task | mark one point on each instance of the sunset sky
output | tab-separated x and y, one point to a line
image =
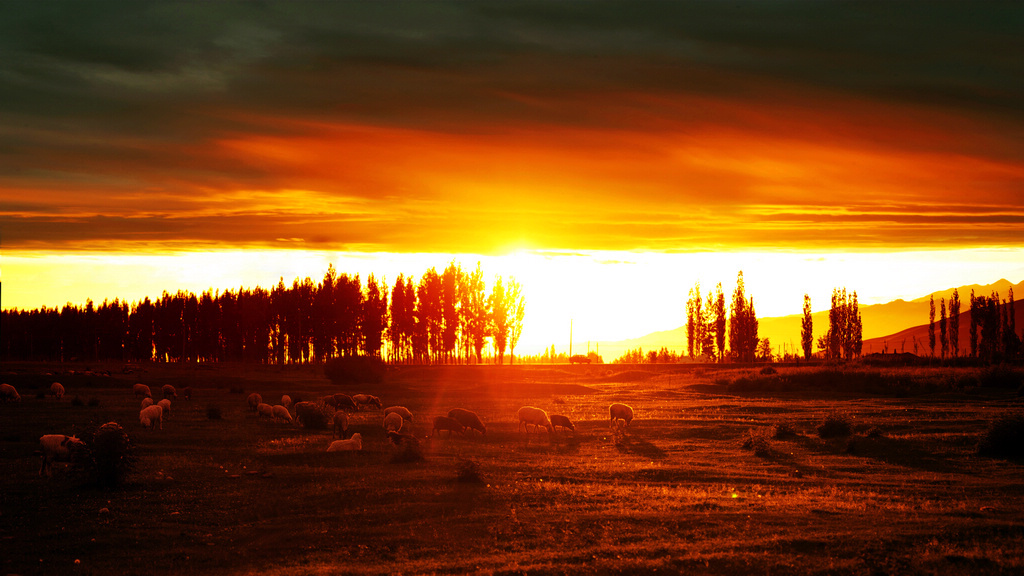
607	154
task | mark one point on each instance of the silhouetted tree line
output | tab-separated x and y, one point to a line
993	329
844	339
444	318
706	323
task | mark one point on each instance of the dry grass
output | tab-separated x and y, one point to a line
676	491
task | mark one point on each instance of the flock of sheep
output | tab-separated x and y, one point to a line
458	420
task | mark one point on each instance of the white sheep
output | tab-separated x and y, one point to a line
286	401
532	415
620	412
563	421
468	418
152	416
254	400
340	422
146	402
265	410
56	447
141	391
166	405
8	393
400	410
393	422
57	389
366	400
169	391
281	412
352	444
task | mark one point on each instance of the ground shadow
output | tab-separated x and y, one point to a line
627	444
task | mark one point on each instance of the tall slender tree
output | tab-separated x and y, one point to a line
954	324
943	338
517	311
720	322
807	329
498	305
975	316
931	324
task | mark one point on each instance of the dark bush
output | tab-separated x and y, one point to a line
874	432
784	430
768	370
1004	438
467	470
408	450
1001	376
757	440
107	457
835	425
94	402
355	370
213	412
320	417
76	401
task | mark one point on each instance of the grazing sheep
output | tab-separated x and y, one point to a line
281	412
563	421
305	411
531	415
620	412
366	400
56	447
400	410
330	401
286	401
152	416
344	402
146	402
141	391
166	405
9	394
469	419
340	422
186	392
393	422
57	389
254	400
265	410
352	444
449	424
169	391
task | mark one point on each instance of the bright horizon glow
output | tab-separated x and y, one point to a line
608	295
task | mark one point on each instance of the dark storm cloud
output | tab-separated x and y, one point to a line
135	97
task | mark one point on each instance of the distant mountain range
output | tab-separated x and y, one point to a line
892	326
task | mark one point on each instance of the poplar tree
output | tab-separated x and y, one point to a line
517	310
943	340
720	322
807	329
954	324
931	325
975	315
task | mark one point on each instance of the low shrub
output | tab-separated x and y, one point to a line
874	432
783	430
1001	376
467	470
409	451
213	412
759	441
76	401
835	425
768	370
355	370
1004	438
319	419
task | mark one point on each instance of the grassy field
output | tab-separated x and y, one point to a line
700	483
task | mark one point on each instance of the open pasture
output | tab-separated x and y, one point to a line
681	490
